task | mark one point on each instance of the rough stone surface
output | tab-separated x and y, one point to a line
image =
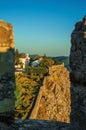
78	105
53	101
7	79
78	74
37	125
78	53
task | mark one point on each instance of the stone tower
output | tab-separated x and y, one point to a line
78	74
7	78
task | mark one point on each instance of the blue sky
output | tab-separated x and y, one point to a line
43	26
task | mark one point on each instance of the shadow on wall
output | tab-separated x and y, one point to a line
7	86
7	78
78	74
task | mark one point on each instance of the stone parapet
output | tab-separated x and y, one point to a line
53	101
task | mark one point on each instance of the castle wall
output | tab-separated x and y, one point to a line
7	78
78	74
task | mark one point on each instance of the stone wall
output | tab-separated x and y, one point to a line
34	112
53	102
36	125
7	78
78	74
78	53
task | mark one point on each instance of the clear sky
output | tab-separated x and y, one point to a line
43	26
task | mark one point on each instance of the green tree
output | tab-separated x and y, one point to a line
47	61
16	56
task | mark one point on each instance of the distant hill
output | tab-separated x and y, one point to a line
63	59
33	55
